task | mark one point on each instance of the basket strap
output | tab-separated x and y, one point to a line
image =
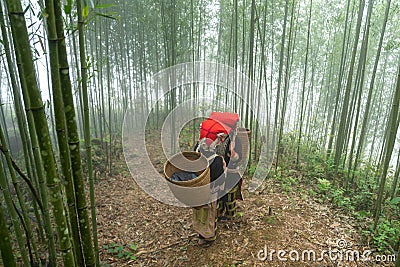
233	170
213	156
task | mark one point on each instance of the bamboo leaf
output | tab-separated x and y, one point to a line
106	16
104	6
68	7
85	11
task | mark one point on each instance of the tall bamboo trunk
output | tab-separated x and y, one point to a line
6	249
360	85
391	131
74	147
304	86
13	215
33	102
339	84
86	127
55	19
20	197
340	140
281	61
369	97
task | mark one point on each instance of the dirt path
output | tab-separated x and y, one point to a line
272	220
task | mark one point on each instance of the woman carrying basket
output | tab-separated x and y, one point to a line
204	217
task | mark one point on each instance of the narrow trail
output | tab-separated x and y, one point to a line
273	220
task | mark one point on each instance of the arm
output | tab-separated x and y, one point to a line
236	150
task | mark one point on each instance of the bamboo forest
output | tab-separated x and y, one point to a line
200	133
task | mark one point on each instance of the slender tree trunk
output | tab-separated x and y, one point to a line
13	215
7	254
55	47
33	102
74	148
340	140
109	94
20	197
26	145
235	52
304	85
77	73
371	87
395	177
339	85
33	148
391	131
250	104
281	61
286	84
86	122
360	85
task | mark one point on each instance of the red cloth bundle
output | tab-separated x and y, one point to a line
217	123
226	118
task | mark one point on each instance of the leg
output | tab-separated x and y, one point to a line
204	223
231	203
221	206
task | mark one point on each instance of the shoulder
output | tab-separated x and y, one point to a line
218	160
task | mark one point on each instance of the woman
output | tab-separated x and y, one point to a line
204	217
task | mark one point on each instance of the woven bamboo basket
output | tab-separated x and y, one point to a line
244	134
188	161
194	192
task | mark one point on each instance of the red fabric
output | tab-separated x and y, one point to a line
226	118
211	128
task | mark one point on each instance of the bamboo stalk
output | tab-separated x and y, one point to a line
13	215
19	194
6	249
74	145
61	128
86	127
33	102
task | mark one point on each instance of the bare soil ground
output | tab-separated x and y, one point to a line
271	220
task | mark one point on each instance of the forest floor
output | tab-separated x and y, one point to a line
136	230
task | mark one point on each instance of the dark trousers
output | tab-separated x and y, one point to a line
227	203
